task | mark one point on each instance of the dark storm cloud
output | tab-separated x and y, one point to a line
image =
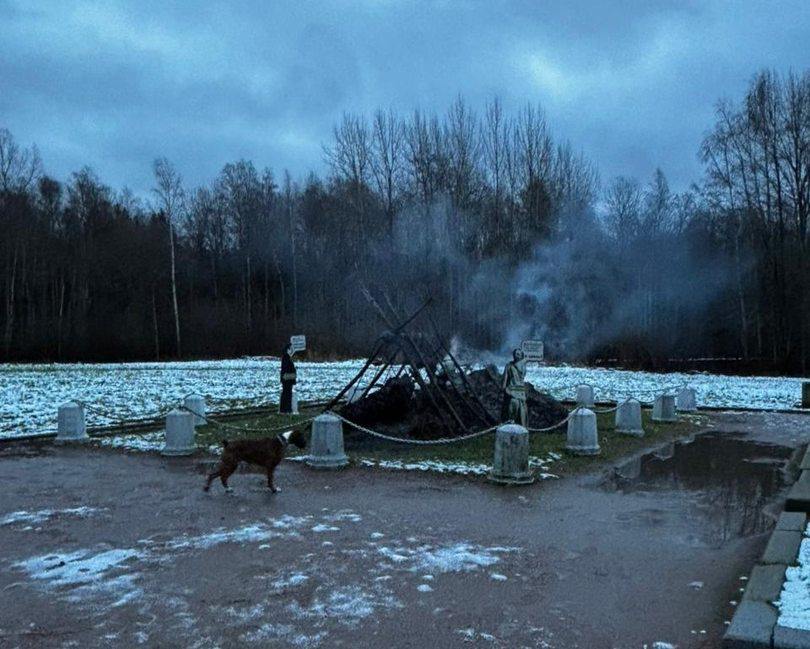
116	84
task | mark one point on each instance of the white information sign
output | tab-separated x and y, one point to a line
533	350
299	343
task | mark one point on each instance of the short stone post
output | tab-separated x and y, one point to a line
583	438
195	405
294	403
70	425
806	394
687	400
326	443
179	433
664	408
585	396
510	466
628	418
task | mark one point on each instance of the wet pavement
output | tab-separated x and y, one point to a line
102	548
732	482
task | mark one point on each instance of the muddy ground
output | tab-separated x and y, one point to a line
101	548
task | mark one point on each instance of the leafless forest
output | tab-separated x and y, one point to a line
489	212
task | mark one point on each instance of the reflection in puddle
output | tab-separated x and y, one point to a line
727	480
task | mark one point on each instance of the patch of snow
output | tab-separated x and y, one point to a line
453	468
320	528
794	601
46	514
246	534
496	576
424	588
345	604
344	515
144	443
85	572
296	579
377	535
458	557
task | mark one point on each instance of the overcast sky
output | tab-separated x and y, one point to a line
631	84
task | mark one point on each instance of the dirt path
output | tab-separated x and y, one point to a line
101	548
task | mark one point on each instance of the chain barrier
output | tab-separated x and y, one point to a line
124	423
418	442
247	429
550	428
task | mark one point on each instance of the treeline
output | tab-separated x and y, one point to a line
508	230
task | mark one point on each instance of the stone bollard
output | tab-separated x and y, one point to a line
326	443
806	394
583	439
585	396
687	400
510	466
70	423
664	408
628	418
195	404
179	433
294	403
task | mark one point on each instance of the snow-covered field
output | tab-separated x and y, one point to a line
30	394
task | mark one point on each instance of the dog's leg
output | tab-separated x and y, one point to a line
225	473
211	477
271	467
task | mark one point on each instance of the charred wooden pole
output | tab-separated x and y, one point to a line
435	382
488	416
377	376
357	377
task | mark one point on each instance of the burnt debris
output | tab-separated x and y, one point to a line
414	386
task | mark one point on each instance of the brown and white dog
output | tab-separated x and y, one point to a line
266	452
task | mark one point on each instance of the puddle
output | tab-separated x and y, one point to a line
728	482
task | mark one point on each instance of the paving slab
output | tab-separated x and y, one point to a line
783	547
765	583
787	638
798	499
795	521
751	627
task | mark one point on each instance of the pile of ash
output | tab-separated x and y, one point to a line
400	408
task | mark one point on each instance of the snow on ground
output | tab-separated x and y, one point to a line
30	394
43	515
316	590
458	468
794	602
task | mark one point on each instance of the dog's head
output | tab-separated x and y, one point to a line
298	438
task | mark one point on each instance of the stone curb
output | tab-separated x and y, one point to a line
798	499
805	463
754	625
751	627
783	547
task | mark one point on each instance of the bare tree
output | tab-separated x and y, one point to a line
19	168
171	199
387	141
